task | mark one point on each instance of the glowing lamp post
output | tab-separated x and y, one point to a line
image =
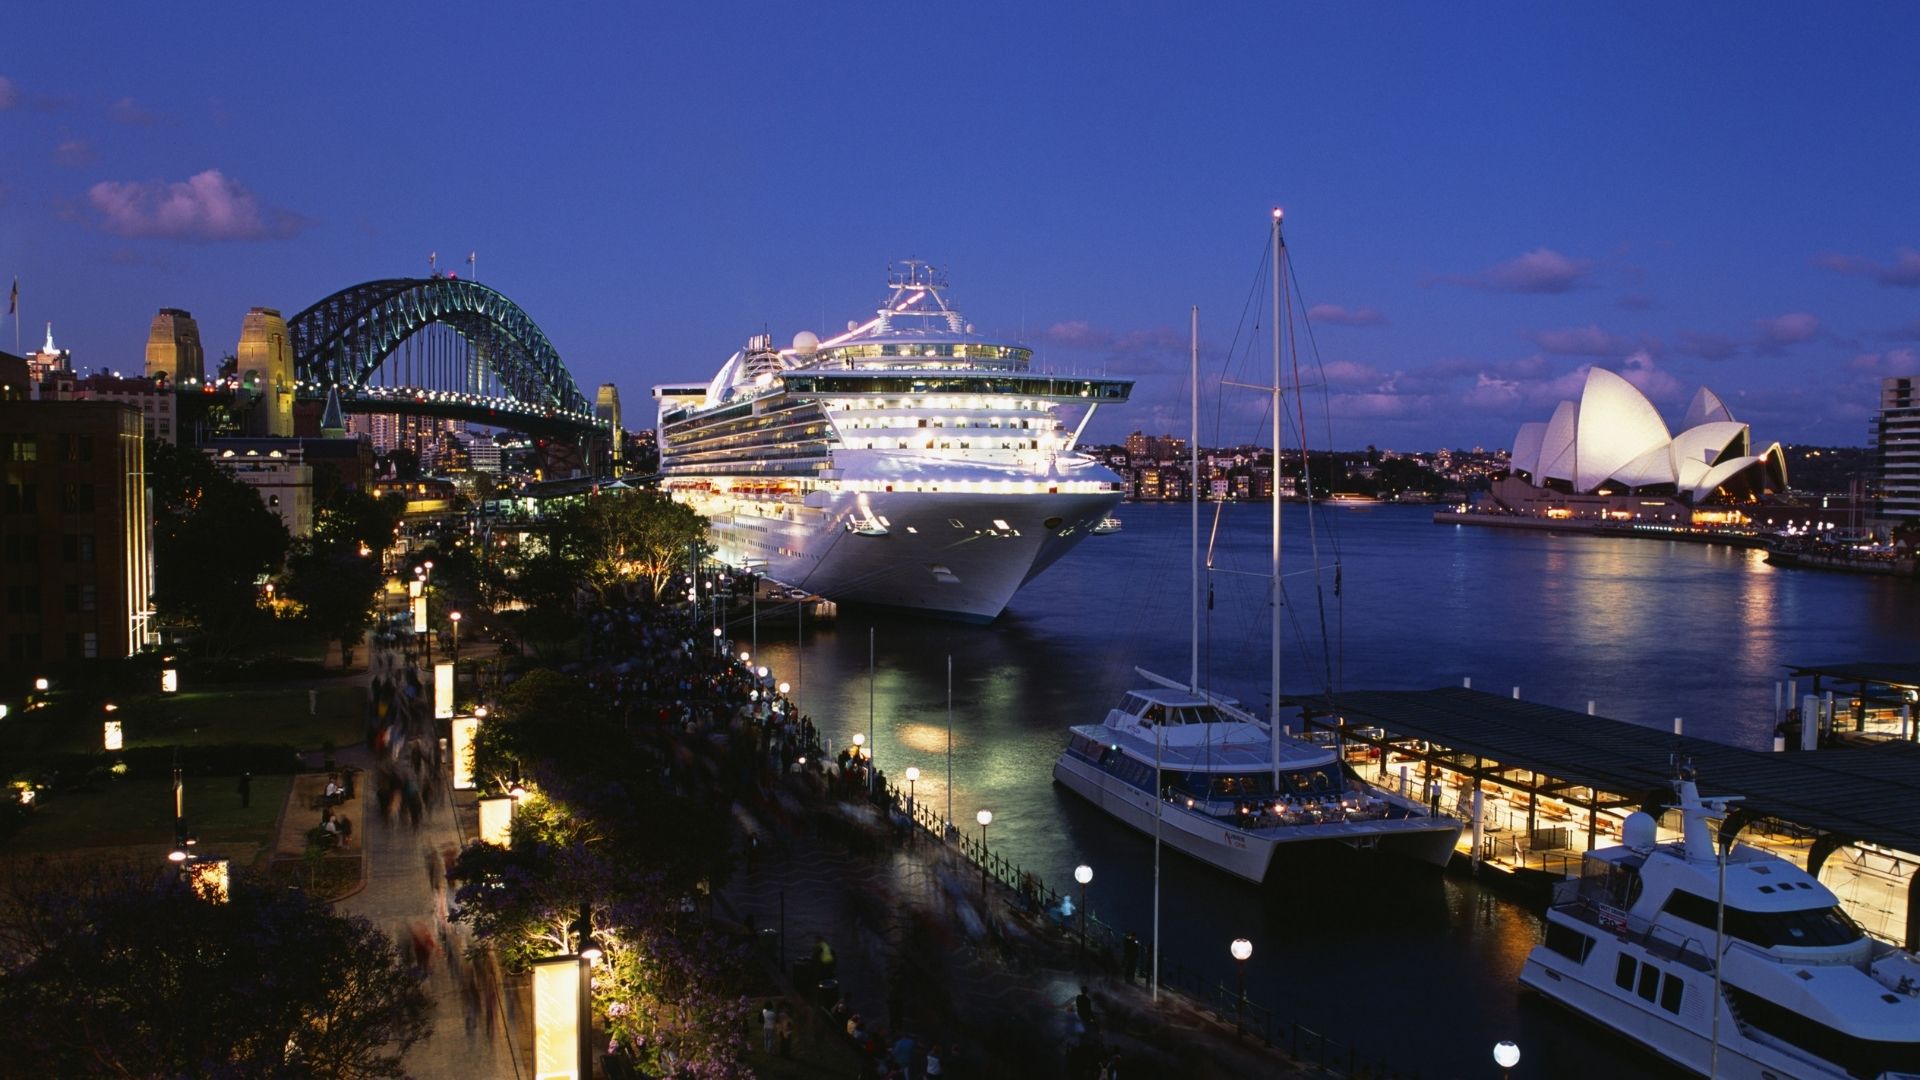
1084	875
454	617
1241	950
985	818
1506	1054
716	641
913	777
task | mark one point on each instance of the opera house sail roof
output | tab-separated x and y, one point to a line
1613	442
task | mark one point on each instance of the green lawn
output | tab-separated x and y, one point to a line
202	718
194	718
137	812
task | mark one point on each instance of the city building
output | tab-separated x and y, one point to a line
1896	441
265	367
606	409
173	349
483	455
50	360
277	471
159	405
76	562
1611	455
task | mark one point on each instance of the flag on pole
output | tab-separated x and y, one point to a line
13	300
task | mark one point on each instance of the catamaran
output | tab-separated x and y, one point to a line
1216	782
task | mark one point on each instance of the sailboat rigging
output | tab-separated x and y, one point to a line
1214	780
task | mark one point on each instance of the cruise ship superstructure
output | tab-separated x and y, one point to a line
908	462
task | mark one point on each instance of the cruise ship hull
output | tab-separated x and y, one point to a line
956	555
1249	853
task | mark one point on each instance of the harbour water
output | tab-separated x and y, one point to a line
1417	969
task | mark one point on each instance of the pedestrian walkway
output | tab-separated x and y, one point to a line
918	951
404	897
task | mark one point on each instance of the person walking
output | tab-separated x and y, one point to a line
246	790
767	1020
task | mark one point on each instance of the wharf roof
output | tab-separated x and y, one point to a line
1904	676
1867	793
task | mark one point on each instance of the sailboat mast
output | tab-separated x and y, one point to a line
1279	284
1193	498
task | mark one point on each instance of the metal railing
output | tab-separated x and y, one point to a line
1304	1043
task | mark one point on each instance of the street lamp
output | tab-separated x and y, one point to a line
1506	1054
985	818
1241	950
716	641
583	926
1084	875
913	775
454	617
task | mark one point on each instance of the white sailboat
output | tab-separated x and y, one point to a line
1216	782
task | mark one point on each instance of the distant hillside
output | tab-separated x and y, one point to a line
1828	470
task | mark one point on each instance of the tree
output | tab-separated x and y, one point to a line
336	574
620	536
124	971
213	541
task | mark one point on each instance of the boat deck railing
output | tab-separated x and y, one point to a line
1305	1043
1666	943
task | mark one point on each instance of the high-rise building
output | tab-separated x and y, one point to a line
266	367
1896	436
76	566
173	348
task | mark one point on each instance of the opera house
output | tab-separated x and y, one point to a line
1610	455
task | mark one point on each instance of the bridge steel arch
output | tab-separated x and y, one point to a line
342	340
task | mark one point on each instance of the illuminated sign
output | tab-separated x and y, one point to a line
559	1018
464	729
113	739
443	690
169	681
496	819
419	614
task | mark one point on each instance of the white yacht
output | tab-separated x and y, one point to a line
1789	988
908	462
1212	782
1215	782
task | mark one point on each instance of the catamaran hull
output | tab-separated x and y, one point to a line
1249	854
951	554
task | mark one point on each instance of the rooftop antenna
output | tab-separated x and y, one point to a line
433	264
471	257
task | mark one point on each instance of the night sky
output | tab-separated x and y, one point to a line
1482	200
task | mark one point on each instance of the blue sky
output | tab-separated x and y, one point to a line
1482	200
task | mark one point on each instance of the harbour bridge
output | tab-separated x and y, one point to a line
442	347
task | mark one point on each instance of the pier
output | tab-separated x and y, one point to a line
1539	785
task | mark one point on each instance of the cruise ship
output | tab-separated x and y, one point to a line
908	462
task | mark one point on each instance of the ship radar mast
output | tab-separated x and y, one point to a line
917	290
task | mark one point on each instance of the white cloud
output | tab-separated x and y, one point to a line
206	206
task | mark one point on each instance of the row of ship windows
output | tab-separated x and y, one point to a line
971	404
983	352
955	444
993	424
